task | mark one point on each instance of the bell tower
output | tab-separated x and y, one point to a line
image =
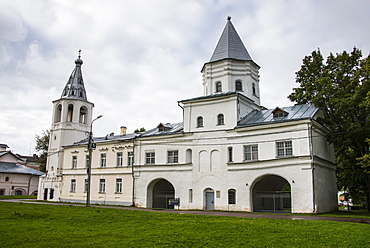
231	68
72	115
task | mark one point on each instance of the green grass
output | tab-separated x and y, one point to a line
17	197
38	225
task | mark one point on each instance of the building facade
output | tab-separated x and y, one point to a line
228	153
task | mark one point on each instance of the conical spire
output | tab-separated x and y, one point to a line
230	46
75	86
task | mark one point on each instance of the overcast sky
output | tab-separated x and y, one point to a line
141	57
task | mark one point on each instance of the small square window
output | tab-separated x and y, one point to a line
150	158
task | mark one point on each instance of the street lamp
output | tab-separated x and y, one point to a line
90	148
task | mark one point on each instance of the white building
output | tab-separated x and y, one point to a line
15	177
228	153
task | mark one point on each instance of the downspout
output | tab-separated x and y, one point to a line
312	167
29	185
133	172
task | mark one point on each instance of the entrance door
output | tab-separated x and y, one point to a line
45	194
210	200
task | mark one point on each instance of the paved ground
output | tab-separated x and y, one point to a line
215	213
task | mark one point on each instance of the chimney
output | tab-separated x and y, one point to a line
123	130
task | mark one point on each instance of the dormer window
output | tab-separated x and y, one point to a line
238	86
164	127
218	86
279	113
200	121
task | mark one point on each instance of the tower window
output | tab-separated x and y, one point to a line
254	88
70	113
200	121
218	86
83	114
238	86
220	119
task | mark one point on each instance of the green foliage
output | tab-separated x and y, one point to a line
137	130
42	146
35	225
340	88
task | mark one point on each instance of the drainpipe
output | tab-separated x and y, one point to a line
312	167
132	172
29	185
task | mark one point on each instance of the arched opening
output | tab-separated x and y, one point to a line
209	199
200	121
159	194
254	89
272	194
189	156
19	191
70	113
58	113
218	86
238	85
83	115
220	119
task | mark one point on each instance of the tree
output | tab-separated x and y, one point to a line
137	130
340	88
42	146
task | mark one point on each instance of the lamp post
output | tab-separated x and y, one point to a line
89	147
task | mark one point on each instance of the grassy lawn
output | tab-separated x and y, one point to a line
3	197
36	225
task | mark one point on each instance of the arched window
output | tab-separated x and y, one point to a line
220	119
70	113
230	154
190	195
6	179
200	121
189	156
83	115
238	85
58	113
232	196
254	88
218	86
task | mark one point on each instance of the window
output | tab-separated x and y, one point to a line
18	192
70	113
200	121
102	186
6	179
172	157
284	148
251	152
190	195
2	191
150	158
130	157
254	88
73	185
119	185
232	196
218	87
74	162
220	119
238	86
230	153
103	160
119	158
86	185
87	161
